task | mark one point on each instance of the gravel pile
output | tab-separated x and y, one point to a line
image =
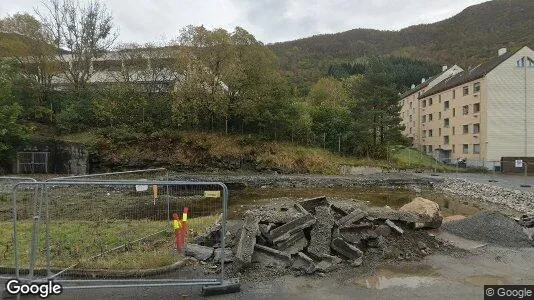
519	200
490	227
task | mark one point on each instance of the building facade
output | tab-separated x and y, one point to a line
481	114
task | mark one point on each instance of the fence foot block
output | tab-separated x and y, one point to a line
228	286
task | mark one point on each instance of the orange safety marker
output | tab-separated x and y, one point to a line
184	225
155	192
177	226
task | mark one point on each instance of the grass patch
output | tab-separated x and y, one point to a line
75	242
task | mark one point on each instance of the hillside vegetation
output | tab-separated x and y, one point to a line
467	39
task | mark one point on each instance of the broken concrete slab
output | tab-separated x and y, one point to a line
378	242
310	204
354	216
272	215
394	227
321	233
270	256
300	209
345	249
199	252
285	231
338	210
304	263
265	228
328	263
383	230
228	255
247	240
394	215
332	259
294	244
356	237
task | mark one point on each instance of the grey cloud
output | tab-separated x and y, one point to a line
269	20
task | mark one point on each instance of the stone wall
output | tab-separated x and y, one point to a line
64	157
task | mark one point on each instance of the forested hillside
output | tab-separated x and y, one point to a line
467	39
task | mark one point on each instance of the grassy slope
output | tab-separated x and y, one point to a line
210	150
76	241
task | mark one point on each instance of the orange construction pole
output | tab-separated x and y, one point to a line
177	226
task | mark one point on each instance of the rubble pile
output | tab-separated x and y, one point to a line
318	236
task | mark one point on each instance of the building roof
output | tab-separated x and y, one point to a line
419	87
467	76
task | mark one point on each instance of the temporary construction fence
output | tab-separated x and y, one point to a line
72	229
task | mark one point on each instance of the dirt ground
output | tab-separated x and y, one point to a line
457	274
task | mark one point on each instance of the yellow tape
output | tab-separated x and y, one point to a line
184	217
212	194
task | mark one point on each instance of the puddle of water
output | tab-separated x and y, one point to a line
400	276
242	200
481	280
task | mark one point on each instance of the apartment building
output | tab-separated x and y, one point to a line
410	104
481	114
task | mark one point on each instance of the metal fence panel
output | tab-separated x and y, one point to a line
81	228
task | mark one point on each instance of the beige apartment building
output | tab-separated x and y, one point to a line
481	114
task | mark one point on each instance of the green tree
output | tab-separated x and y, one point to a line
12	132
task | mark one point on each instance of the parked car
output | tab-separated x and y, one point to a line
462	162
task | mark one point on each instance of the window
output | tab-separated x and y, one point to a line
439	116
410	104
476	87
429	117
410	130
476	148
411	118
465	109
453	130
439	98
454	112
439	131
446	105
424	119
446	140
476	128
453	148
429	148
446	123
530	62
466	90
430	133
521	62
424	103
465	129
430	102
466	149
476	108
424	133
453	94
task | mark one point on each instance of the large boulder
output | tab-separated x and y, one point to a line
428	210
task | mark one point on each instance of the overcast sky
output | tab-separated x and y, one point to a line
269	20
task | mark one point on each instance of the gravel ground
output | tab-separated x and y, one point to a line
490	227
506	195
